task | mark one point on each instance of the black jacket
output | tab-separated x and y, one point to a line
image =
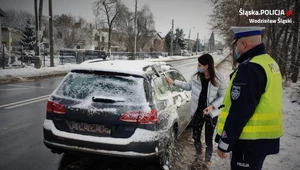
251	80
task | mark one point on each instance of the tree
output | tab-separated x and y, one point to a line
197	44
28	39
110	9
281	40
168	41
145	27
16	19
72	31
179	39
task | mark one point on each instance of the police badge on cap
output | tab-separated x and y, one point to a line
240	32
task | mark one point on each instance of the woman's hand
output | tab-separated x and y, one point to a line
169	80
208	110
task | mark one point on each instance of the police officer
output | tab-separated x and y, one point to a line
250	123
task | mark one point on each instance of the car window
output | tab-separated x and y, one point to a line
179	76
161	88
174	75
84	86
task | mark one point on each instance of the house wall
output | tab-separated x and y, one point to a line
0	32
6	39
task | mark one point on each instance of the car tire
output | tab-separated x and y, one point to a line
167	157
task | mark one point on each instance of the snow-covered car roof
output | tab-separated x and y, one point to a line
134	67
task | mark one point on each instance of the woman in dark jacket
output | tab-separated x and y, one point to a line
208	91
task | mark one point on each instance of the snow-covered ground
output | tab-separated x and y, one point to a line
289	156
31	72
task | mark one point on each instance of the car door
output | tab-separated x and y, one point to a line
164	102
181	99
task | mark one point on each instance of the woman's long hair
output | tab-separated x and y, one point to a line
204	60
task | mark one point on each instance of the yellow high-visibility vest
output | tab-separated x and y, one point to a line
266	122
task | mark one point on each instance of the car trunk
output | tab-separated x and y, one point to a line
97	119
93	104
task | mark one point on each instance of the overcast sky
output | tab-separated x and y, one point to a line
186	13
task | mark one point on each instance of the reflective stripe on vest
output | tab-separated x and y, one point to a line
266	122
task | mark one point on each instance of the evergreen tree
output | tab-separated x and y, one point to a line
168	41
28	39
179	39
195	46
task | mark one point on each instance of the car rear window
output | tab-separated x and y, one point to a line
85	86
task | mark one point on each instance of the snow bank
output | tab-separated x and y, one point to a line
28	71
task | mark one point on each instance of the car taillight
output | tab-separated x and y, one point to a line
56	108
140	117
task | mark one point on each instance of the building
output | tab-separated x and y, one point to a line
155	43
190	44
10	38
2	14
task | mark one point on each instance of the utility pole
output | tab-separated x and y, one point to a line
40	20
171	50
51	34
189	40
135	28
37	38
197	43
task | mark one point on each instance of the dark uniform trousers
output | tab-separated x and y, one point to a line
242	161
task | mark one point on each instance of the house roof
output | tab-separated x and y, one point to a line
2	13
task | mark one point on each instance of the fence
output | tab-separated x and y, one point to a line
79	56
4	57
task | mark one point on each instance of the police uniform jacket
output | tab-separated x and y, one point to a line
244	105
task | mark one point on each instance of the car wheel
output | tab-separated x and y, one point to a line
168	156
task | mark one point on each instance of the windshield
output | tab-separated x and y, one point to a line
86	86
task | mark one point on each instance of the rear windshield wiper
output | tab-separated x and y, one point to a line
105	100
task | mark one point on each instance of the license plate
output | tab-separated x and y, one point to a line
85	127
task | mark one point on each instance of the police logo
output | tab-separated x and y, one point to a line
235	92
91	113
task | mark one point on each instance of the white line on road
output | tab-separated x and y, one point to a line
23	101
22	104
19	85
15	89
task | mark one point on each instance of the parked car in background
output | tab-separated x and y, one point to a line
94	54
68	55
117	108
